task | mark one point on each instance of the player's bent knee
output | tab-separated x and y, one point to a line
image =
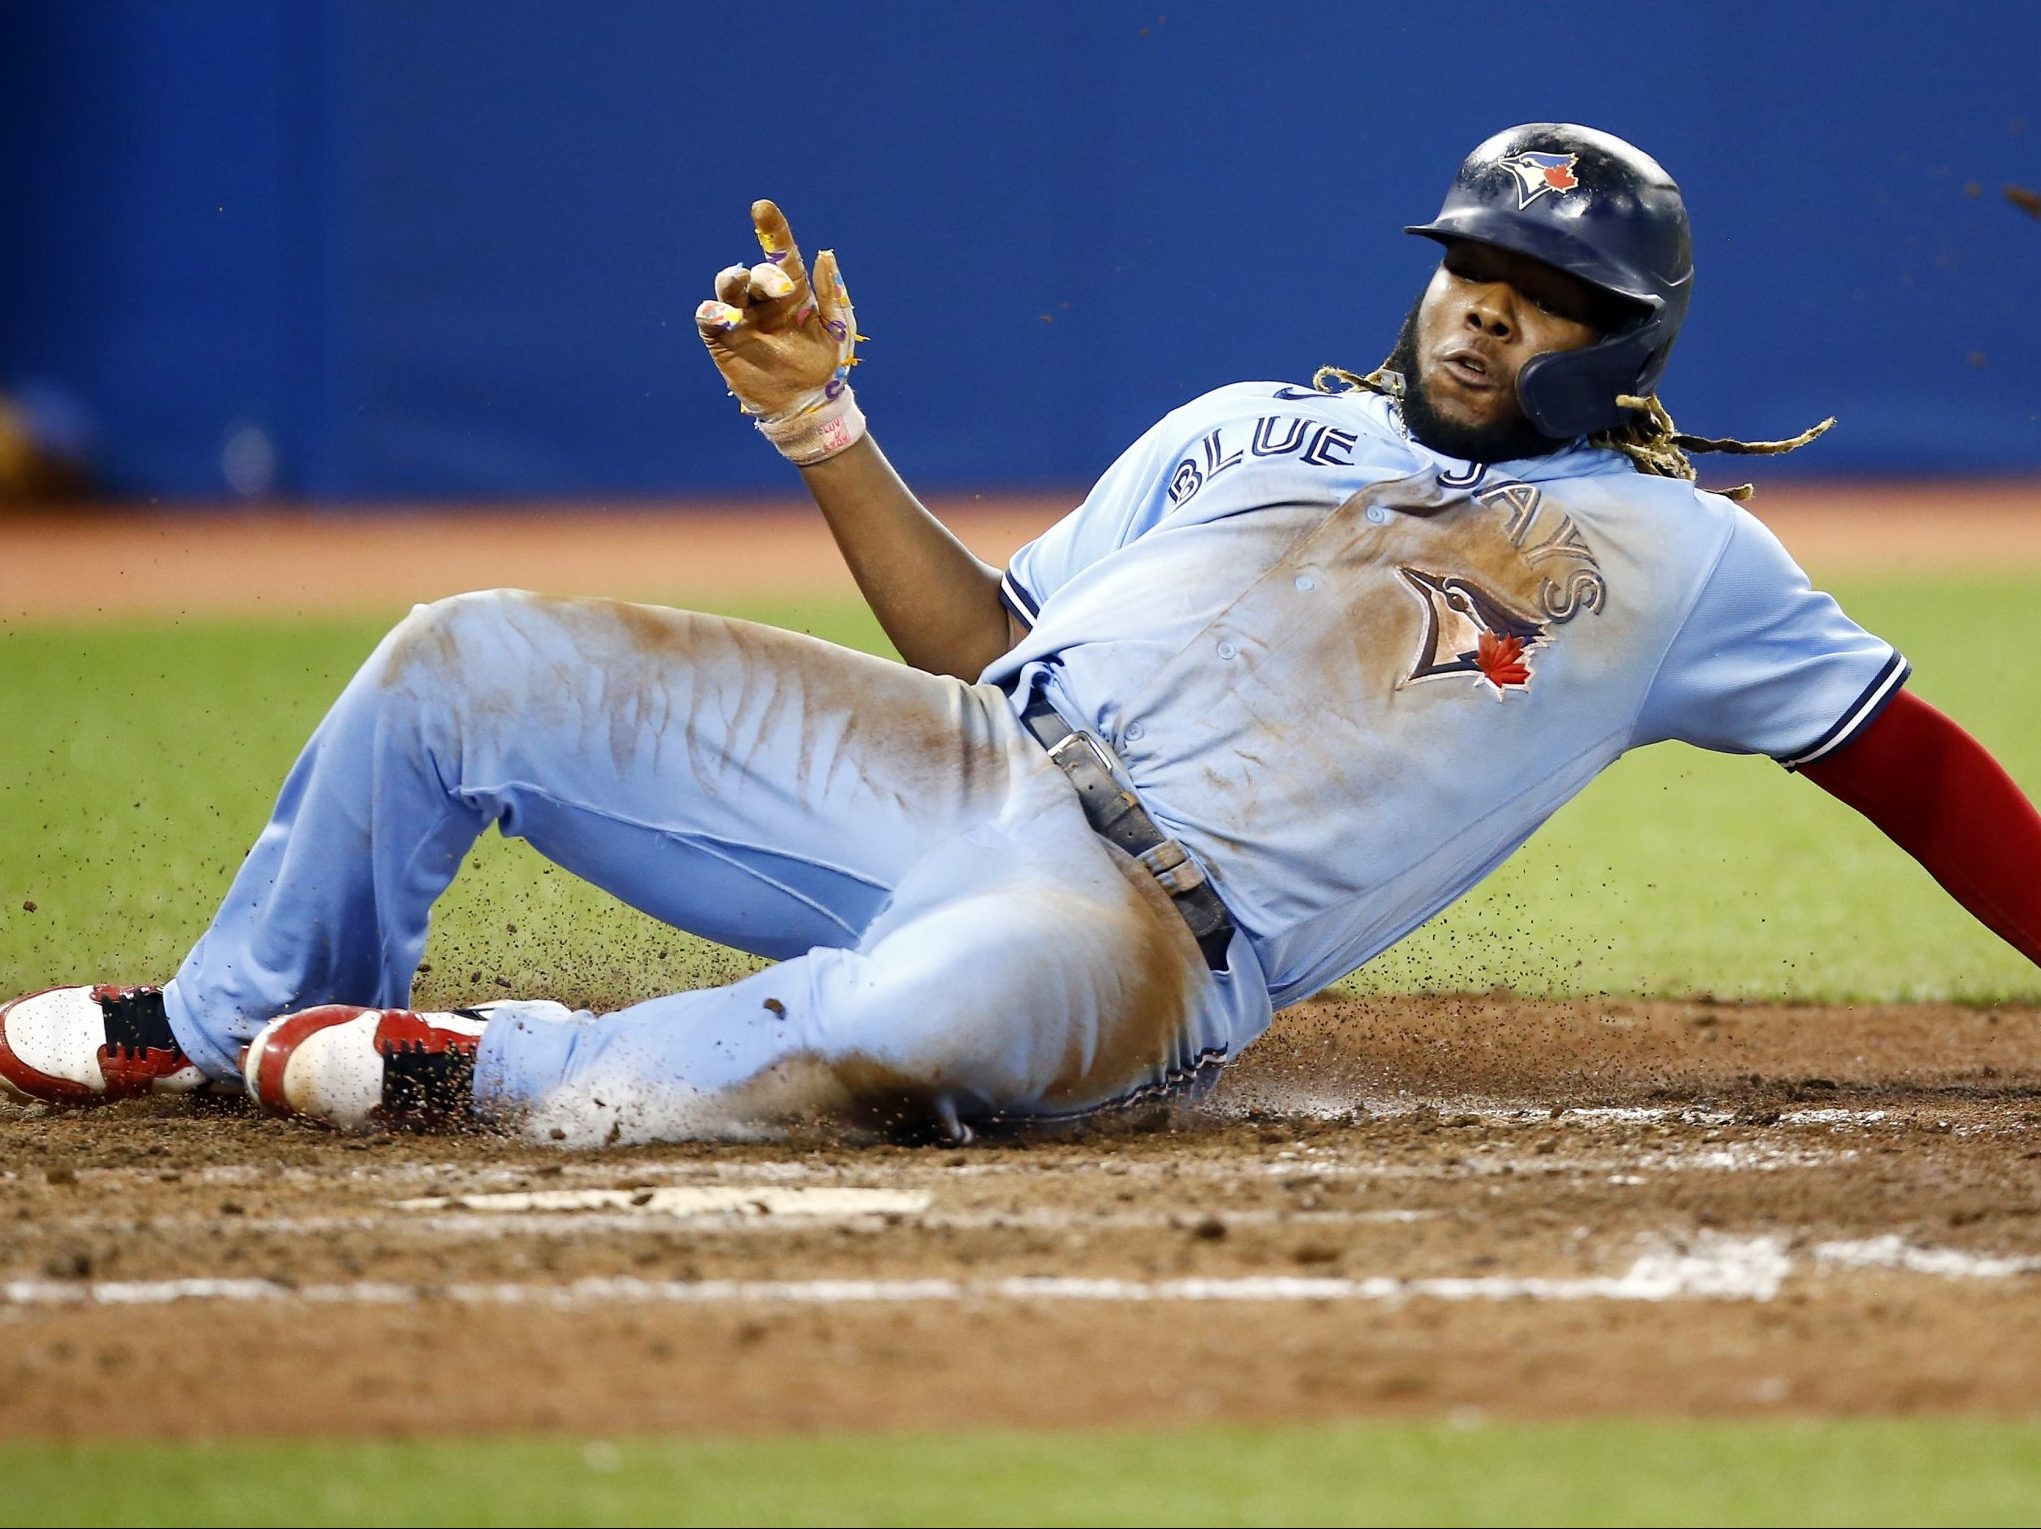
437	639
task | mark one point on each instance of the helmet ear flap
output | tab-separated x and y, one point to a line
1562	401
1569	393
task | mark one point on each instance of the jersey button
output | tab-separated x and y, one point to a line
1306	583
1135	732
1228	651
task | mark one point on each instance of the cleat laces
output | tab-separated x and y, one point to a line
135	1021
424	1082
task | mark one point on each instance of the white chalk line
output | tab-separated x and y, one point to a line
688	1201
1892	1251
1708	1268
1720	1268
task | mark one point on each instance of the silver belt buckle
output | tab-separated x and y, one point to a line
1075	739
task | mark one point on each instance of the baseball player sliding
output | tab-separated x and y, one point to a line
1306	665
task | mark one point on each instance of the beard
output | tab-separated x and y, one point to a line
1513	438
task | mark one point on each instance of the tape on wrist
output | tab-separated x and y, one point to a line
818	433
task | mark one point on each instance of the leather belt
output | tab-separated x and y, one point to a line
1117	816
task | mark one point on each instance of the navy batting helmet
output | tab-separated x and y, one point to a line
1599	209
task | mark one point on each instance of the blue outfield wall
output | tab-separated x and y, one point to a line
370	249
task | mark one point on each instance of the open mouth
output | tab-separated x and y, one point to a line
1467	368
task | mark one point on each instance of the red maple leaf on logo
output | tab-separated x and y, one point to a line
1502	661
1560	178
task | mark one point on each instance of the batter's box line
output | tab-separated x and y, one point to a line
1709	1268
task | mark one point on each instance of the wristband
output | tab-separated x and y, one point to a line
818	432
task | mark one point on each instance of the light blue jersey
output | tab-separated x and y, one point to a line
1352	675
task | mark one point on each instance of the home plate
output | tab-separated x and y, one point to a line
690	1200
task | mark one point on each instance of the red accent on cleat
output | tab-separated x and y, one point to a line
129	1073
284	1037
403	1027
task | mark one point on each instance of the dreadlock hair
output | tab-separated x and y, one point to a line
1652	443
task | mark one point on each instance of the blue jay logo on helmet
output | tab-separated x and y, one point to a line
1539	173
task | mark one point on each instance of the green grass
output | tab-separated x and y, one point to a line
137	763
1942	1472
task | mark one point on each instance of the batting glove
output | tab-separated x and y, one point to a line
785	345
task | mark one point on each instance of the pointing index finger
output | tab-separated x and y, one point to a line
777	240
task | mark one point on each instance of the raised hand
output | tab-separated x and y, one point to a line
785	343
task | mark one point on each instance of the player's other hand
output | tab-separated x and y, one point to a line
784	342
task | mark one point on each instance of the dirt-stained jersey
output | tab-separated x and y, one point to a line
1352	675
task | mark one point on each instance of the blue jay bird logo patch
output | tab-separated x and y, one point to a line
1539	173
1469	631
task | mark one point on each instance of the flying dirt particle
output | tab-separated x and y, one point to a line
2026	198
778	1009
28	905
60	1176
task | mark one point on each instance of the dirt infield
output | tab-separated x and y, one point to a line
1418	1205
1391	1207
108	565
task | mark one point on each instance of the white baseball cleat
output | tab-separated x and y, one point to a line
82	1045
360	1069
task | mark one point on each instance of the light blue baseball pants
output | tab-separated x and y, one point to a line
956	944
